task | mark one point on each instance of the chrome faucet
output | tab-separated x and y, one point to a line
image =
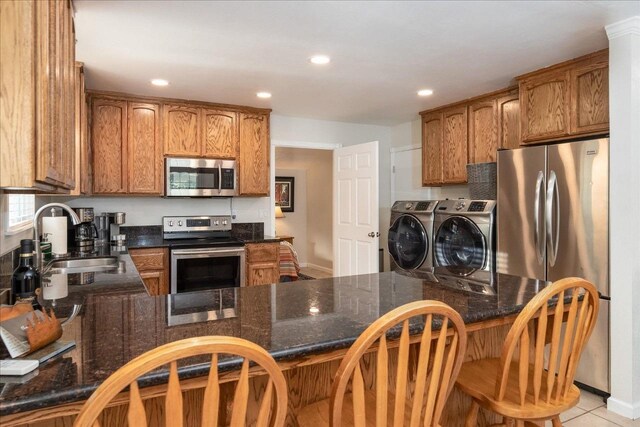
36	228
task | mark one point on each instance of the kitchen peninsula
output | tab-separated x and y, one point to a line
307	326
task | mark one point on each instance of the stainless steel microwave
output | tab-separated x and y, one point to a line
200	177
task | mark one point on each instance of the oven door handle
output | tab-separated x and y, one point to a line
207	251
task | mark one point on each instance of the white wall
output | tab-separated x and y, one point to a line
318	196
295	223
150	210
624	107
406	176
290	130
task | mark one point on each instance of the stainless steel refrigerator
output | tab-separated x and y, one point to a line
553	222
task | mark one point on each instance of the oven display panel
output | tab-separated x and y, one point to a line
198	222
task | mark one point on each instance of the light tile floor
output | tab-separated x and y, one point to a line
592	412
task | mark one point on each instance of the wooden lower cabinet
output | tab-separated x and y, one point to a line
153	266
263	263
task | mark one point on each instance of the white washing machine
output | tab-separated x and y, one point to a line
464	234
411	235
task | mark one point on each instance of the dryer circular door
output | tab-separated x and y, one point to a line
460	242
408	242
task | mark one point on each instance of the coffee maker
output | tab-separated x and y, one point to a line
84	234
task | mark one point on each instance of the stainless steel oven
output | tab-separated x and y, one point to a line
197	269
204	254
200	177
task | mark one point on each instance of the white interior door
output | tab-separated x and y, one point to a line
355	210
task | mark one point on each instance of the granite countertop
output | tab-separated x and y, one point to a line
140	237
290	320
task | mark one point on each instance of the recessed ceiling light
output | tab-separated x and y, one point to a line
320	59
159	82
264	95
425	92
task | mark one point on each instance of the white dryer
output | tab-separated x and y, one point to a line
411	235
464	234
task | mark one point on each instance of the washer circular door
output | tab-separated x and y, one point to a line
459	242
408	242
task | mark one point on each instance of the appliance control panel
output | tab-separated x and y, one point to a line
466	206
172	224
422	206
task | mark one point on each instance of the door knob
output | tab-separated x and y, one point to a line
372	234
377	234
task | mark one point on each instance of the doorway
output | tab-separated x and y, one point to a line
303	189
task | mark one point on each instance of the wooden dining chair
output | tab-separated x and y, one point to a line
440	356
169	354
526	392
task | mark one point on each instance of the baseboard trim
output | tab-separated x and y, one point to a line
318	267
631	411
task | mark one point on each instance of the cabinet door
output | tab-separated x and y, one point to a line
66	101
263	273
509	122
181	131
144	156
590	98
454	145
81	160
155	282
545	106
432	149
50	165
254	155
220	134
109	146
483	131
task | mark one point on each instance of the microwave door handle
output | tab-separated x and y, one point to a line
219	178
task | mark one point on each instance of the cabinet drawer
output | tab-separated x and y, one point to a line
149	259
262	252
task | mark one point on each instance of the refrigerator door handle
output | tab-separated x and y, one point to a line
553	201
538	240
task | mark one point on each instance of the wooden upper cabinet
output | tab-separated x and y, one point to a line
181	131
508	121
55	68
432	149
590	98
454	145
219	134
109	144
483	131
144	149
254	155
545	108
566	100
83	168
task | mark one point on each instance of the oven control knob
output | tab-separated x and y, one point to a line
224	222
171	223
179	223
216	222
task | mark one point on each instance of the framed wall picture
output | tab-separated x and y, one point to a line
285	192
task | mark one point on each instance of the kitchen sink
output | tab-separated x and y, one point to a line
81	265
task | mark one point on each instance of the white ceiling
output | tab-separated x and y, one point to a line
381	52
